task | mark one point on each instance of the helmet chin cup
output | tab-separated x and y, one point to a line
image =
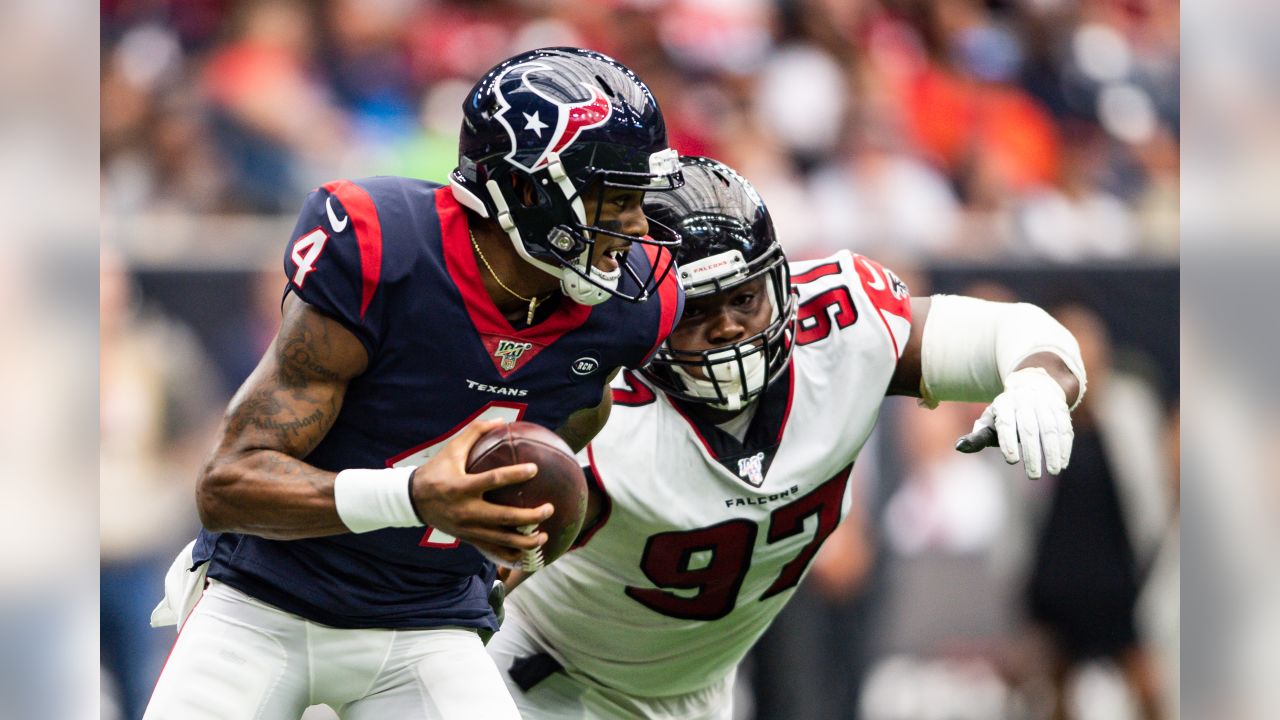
574	282
589	292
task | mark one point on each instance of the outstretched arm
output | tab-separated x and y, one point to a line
256	483
1013	355
908	376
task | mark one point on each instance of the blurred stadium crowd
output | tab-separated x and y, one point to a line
1034	140
969	128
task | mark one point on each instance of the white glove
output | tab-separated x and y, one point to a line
1029	415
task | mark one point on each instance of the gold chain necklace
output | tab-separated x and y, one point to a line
533	301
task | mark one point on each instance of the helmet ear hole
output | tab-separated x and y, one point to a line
524	189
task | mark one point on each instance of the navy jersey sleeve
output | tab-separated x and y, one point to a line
669	300
334	258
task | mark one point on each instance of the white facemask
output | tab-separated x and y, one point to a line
733	383
752	379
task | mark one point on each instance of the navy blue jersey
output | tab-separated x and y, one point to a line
391	259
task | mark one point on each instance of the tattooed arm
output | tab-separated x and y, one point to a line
255	482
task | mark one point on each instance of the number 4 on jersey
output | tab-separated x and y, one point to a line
433	537
306	250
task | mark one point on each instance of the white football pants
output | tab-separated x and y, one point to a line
238	658
569	696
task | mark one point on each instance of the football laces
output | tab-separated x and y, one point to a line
532	558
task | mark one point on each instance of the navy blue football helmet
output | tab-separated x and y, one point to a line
728	240
569	121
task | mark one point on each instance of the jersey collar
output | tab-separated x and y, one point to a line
492	326
750	459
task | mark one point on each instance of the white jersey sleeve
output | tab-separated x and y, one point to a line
703	538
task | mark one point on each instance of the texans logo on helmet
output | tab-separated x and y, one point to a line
543	124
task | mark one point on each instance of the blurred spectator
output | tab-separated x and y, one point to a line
884	201
949	503
801	99
369	70
154	133
1107	517
156	416
431	151
730	36
274	120
1075	217
1158	202
457	38
965	110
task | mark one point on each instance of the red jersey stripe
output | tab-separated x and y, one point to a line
808	276
668	293
364	221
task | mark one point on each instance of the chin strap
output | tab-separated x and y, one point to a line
578	288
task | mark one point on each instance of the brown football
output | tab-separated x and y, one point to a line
559	481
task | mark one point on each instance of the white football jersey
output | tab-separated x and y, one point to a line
702	539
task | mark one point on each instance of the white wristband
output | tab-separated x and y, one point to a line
374	499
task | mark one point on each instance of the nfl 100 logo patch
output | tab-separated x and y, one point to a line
751	469
509	352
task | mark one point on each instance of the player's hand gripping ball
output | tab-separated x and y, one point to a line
559	481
